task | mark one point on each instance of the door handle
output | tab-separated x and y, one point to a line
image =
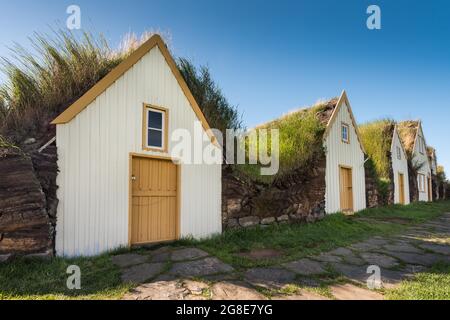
133	178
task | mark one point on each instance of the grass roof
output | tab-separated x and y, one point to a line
377	139
301	138
408	131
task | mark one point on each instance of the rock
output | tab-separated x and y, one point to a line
128	259
283	218
380	260
304	295
160	290
29	141
207	266
233	224
188	254
402	247
142	272
326	257
305	267
351	292
267	221
249	221
233	206
260	254
355	273
195	287
341	252
437	248
41	255
427	259
234	291
5	257
270	278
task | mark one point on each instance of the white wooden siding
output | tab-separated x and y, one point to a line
340	153
422	158
399	166
93	151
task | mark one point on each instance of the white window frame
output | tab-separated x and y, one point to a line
146	128
345	125
399	153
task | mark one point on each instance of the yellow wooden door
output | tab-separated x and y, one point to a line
154	200
346	189
401	184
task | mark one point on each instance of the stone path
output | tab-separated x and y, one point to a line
192	274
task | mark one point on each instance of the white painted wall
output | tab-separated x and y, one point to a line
93	151
419	157
399	166
340	153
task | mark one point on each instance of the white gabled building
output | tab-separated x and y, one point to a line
345	174
400	172
118	184
414	141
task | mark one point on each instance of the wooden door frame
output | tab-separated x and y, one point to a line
130	190
430	189
400	183
340	190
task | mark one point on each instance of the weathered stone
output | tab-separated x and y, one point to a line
326	257
355	273
355	260
234	291
437	248
160	290
267	221
195	287
188	254
249	221
142	272
233	223
380	260
161	257
5	257
341	252
402	247
233	206
270	278
29	141
427	259
283	218
305	267
351	292
42	255
304	295
128	259
207	266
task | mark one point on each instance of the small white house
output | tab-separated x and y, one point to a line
345	174
118	184
399	162
415	144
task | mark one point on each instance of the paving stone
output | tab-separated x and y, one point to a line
355	260
234	291
427	259
142	272
305	267
437	248
402	247
128	259
270	278
5	257
326	257
308	282
304	295
221	277
161	257
351	292
195	287
355	273
188	254
261	254
203	267
341	252
380	260
161	290
364	246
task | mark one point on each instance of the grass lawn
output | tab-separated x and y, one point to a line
100	279
434	284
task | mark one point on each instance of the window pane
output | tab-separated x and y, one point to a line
155	119
155	138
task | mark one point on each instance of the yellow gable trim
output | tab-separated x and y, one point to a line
343	99
79	105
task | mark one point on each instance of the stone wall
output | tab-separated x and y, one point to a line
25	227
295	197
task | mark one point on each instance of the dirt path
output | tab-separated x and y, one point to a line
192	274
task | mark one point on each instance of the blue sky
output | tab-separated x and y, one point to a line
270	57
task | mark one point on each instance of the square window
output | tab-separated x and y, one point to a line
399	153
345	133
155	128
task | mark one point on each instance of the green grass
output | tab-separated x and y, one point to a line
300	240
300	142
434	284
40	279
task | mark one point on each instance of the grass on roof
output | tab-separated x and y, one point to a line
300	142
377	139
407	131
